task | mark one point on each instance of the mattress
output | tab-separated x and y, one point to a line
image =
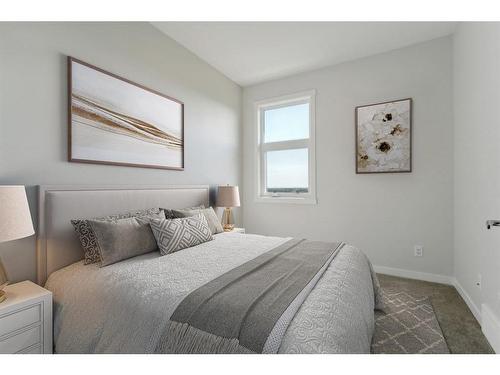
125	307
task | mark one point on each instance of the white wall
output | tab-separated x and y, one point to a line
33	125
387	214
477	167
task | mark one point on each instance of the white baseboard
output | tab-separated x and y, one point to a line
491	327
416	275
468	300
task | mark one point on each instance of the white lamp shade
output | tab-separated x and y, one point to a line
228	196
15	217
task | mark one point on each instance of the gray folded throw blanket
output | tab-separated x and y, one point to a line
248	309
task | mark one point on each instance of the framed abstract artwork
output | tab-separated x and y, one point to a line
383	137
112	120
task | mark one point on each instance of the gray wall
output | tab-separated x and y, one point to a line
33	131
477	170
383	214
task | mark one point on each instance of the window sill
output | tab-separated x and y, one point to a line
286	200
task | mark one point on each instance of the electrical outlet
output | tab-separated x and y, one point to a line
418	251
479	281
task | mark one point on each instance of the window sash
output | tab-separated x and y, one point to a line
291	103
284	145
263	176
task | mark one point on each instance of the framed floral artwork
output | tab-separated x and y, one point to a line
383	137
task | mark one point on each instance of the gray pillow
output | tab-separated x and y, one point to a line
209	213
123	238
177	234
169	213
87	237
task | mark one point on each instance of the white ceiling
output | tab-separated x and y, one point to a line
253	52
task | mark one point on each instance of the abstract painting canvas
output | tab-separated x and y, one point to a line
383	137
115	121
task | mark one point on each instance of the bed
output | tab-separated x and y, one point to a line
127	307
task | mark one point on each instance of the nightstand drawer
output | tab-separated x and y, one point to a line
19	319
21	341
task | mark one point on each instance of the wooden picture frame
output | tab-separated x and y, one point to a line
114	121
388	148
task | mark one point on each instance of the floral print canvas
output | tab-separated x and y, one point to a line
383	137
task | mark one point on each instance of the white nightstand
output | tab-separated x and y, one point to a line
238	230
26	319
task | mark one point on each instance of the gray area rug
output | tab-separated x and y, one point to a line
408	325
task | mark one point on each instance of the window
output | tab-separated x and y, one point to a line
285	149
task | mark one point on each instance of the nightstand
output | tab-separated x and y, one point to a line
238	230
26	319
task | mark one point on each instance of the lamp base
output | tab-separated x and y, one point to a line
226	220
228	227
3	296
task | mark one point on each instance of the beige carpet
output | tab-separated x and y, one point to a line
407	325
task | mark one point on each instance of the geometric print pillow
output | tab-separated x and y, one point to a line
177	234
87	236
213	221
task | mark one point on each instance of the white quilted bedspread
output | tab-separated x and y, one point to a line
124	307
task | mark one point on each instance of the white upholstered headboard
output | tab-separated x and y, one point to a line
57	242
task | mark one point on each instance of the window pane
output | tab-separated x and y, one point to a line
286	123
287	171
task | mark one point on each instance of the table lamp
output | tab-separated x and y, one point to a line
228	197
15	222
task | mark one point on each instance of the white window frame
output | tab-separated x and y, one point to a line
261	148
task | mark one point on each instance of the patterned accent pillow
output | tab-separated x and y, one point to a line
213	221
177	234
87	236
